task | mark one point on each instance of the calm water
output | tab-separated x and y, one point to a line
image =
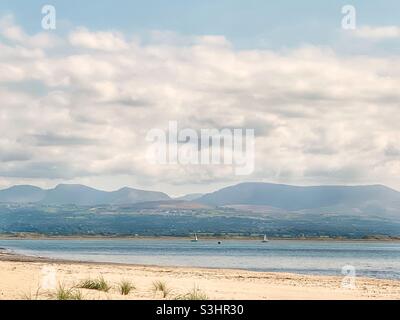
373	259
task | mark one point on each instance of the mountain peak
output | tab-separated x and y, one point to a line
23	187
22	194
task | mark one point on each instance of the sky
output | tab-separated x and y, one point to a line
78	101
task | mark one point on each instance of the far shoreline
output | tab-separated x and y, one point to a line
206	238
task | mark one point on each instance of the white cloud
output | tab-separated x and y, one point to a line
14	33
105	41
81	112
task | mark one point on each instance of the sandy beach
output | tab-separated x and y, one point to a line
24	277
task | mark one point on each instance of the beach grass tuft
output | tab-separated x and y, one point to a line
99	284
63	293
194	294
125	287
161	286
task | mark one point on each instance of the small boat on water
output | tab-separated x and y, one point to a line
195	238
265	238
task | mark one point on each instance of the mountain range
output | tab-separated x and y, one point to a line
295	198
244	209
79	195
375	199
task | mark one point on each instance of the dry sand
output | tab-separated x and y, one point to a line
24	277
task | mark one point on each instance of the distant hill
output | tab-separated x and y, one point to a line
74	194
22	194
130	195
78	195
377	198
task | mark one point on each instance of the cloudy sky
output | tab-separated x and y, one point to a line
77	102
